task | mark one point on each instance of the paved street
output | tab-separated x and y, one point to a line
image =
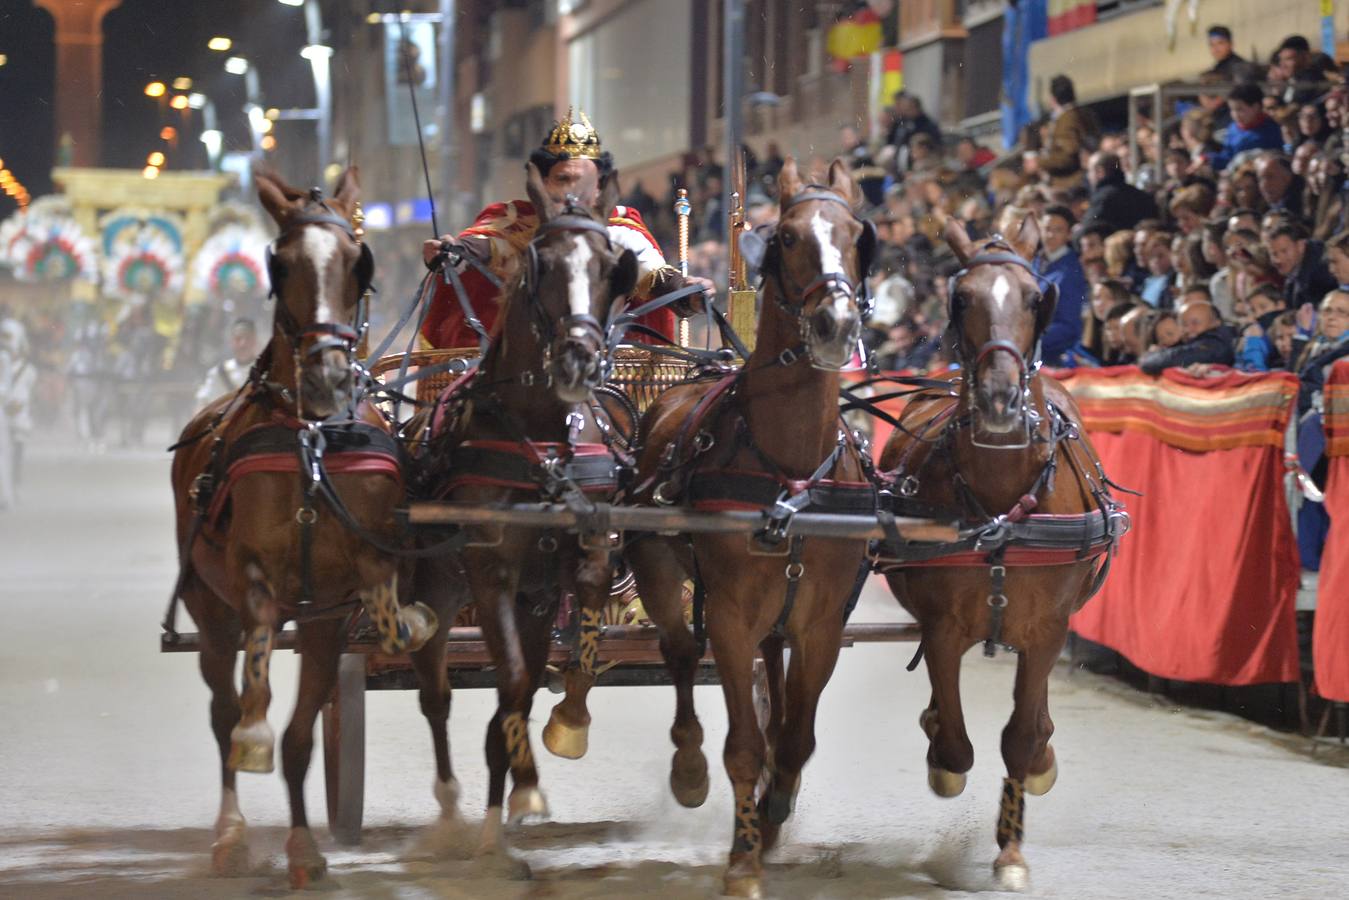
108	785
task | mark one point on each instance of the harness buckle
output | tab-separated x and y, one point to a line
306	515
997	601
787	357
908	486
703	442
795	570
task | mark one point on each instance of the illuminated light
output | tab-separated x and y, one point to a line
236	65
213	140
293	2
4	60
219	44
265	126
155	159
374	19
332	172
168	133
315	52
182	84
269	142
179	101
196	101
273	113
155	89
151	172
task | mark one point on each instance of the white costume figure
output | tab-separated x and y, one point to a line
228	376
18	378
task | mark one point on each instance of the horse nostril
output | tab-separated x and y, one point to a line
825	324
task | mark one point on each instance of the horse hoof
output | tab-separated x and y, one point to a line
927	720
1012	877
944	783
688	778
566	741
251	748
1039	785
778	807
304	863
525	803
743	886
229	857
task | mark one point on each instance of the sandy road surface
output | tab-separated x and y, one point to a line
107	769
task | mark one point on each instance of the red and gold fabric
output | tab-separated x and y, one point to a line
505	229
1330	633
1069	15
1204	588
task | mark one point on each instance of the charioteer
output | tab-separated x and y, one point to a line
486	255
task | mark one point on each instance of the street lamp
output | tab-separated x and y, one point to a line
219	43
320	60
155	89
236	65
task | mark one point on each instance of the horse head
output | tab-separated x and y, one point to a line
573	278
319	272
818	259
998	312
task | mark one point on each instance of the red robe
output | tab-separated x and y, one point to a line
508	228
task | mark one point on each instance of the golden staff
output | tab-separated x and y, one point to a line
682	209
742	296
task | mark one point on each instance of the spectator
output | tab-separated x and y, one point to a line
1105	297
1072	130
1127	334
1163	331
1302	70
1220	283
1281	189
1337	259
1059	265
1301	262
1090	242
1227	64
910	120
1206	340
1158	287
1330	344
907	347
1115	204
1190	207
18	378
1251	129
869	177
1119	255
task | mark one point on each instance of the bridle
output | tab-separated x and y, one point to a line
327	335
1028	365
580	327
792	298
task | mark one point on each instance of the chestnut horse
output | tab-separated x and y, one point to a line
1001	442
775	425
527	426
257	548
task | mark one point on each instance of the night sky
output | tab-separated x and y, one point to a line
144	41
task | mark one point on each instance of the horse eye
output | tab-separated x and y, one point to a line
788	238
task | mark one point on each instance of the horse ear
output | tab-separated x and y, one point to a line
1027	240
1044	311
347	192
272	196
543	204
789	181
623	278
840	180
958	240
608	197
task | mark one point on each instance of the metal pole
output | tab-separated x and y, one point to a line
323	88
445	116
733	31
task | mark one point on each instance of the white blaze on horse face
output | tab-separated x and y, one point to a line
578	284
320	245
831	258
1001	289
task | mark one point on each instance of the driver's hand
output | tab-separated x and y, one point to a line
434	248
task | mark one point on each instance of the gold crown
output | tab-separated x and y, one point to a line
574	139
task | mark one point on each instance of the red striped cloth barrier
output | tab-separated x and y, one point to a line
1330	634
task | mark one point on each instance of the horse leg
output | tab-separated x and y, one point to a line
1025	747
814	654
320	645
743	755
660	583
772	703
496	586
568	730
219	652
950	754
401	629
252	740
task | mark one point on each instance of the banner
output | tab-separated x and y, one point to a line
1068	15
1203	588
410	58
1022	24
1330	633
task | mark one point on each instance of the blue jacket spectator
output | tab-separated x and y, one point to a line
1059	265
1251	129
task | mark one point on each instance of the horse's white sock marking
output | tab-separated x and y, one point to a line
578	286
1001	289
831	258
320	245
